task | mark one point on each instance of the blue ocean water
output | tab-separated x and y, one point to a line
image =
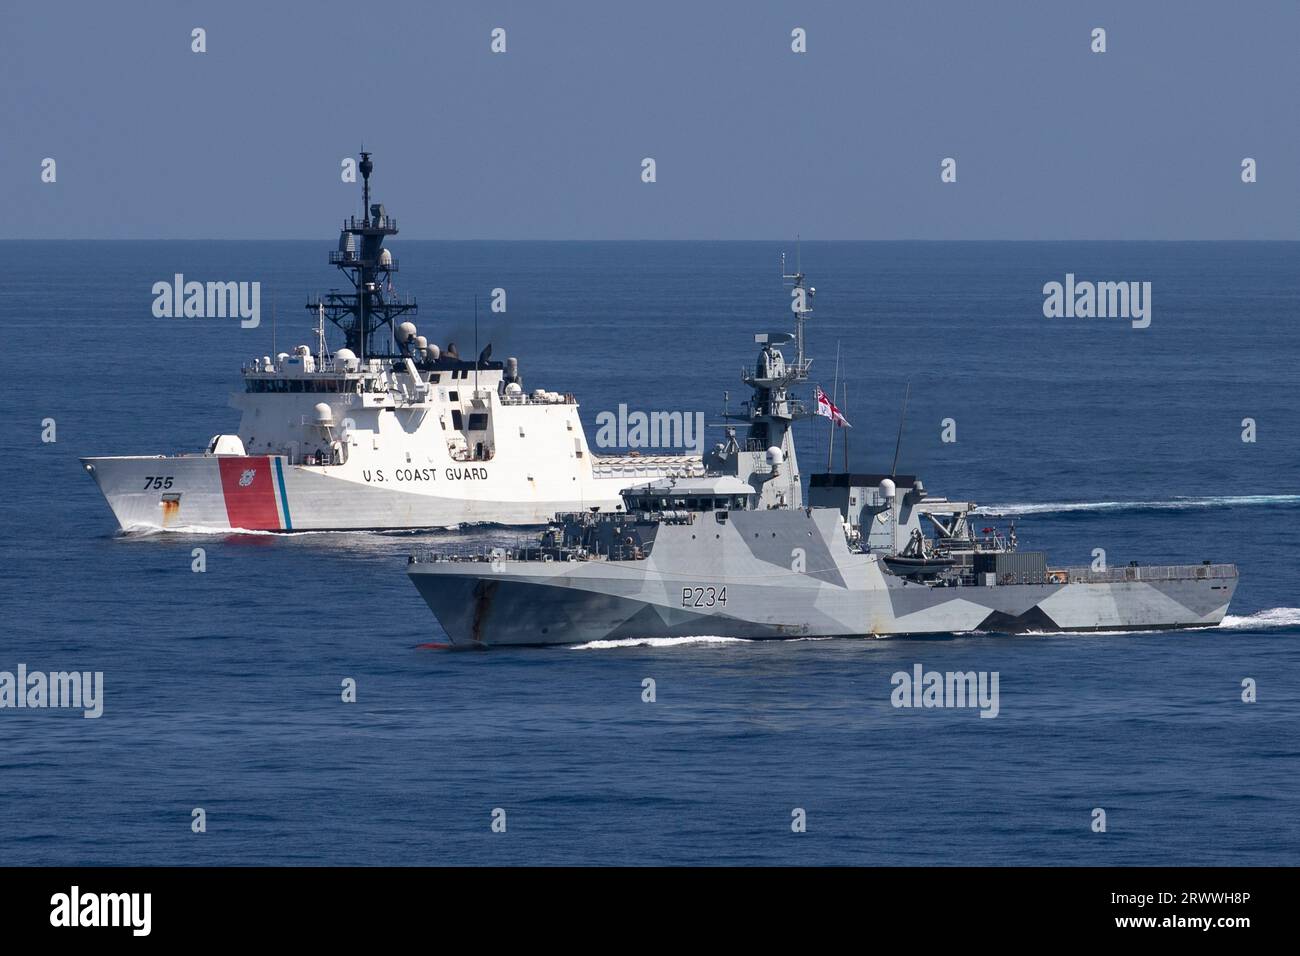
222	689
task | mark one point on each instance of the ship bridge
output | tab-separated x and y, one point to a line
707	493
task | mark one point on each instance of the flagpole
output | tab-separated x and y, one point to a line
835	391
844	410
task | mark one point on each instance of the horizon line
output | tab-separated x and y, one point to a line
594	239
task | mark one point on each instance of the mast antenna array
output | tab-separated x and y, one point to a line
801	303
372	304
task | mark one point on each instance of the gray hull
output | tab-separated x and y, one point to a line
743	577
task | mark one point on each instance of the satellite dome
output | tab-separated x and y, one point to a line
346	358
385	258
887	489
406	332
433	352
421	342
775	455
324	414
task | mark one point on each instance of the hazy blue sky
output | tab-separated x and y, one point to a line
750	139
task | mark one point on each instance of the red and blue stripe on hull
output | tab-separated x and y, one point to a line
254	492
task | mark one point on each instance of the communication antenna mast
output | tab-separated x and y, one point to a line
371	303
893	469
801	305
321	351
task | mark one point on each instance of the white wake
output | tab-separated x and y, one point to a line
1274	618
657	642
1172	504
145	531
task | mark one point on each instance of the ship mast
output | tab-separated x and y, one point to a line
372	304
801	304
773	409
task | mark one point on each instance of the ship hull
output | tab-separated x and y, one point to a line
487	610
216	493
737	582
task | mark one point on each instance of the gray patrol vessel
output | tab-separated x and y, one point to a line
738	553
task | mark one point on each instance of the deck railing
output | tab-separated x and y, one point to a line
1154	572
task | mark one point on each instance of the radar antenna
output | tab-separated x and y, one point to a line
372	303
801	303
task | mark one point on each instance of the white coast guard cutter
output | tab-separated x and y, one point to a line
388	432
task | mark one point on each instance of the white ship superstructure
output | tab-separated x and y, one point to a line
390	431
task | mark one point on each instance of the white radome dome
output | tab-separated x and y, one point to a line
775	455
324	414
405	332
887	488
